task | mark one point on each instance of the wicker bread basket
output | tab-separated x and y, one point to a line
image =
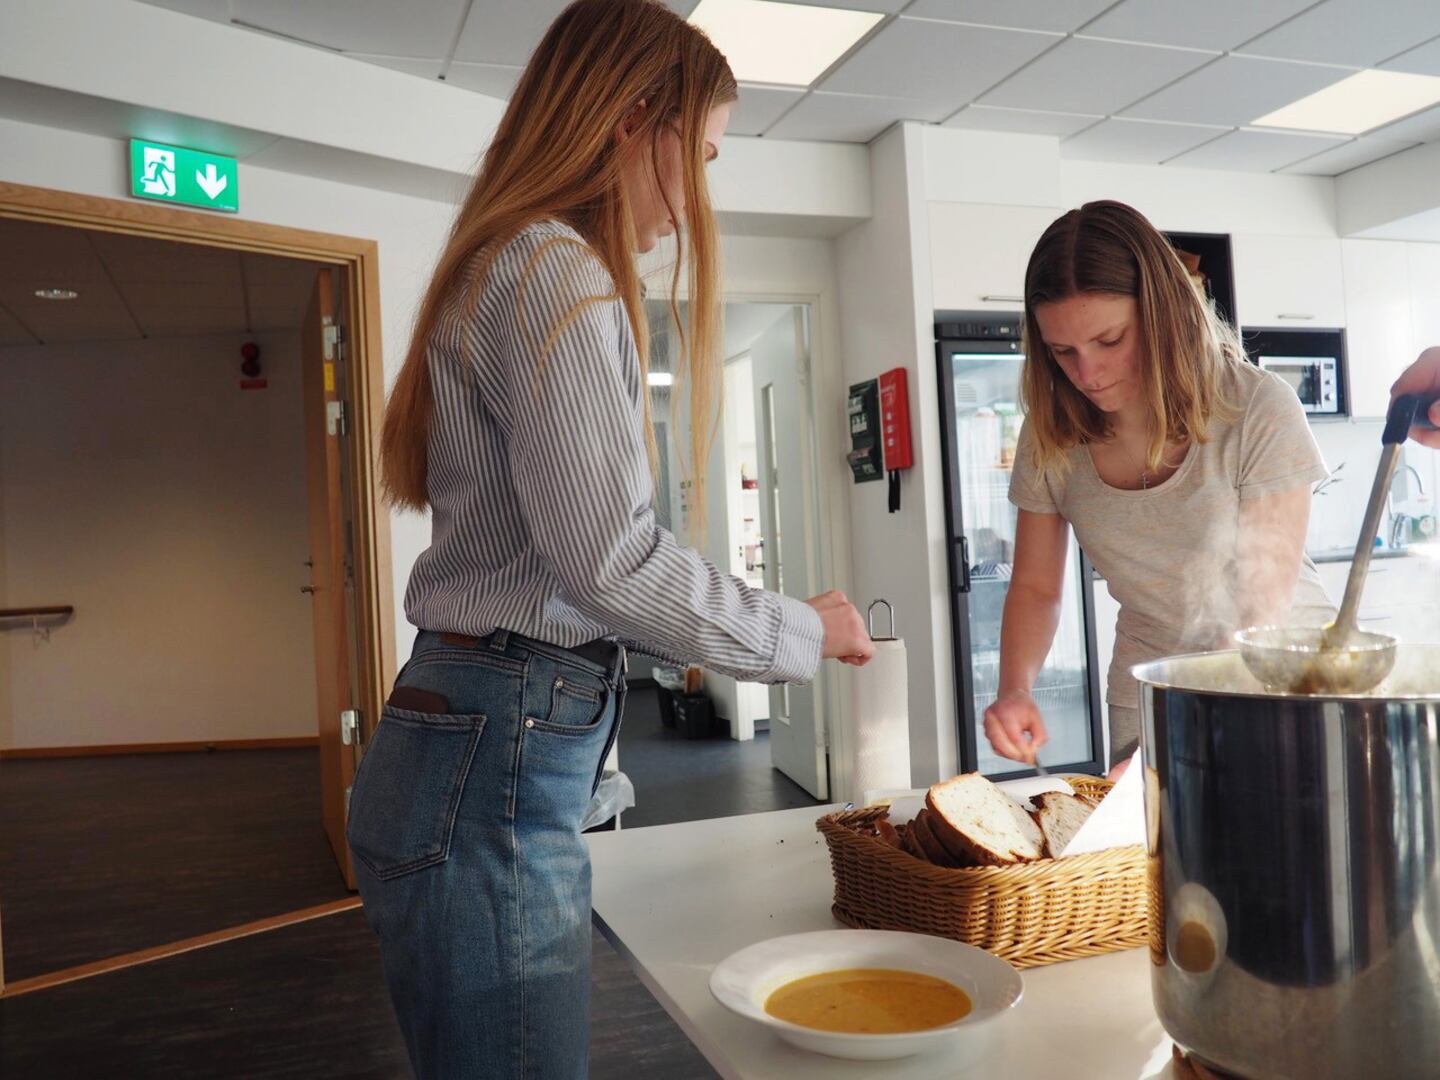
1029	914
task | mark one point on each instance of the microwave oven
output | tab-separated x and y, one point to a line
1315	380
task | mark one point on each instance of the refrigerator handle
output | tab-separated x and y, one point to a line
964	544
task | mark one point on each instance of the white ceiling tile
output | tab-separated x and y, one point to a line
1422	60
167	286
424	69
276	271
1347	156
263	320
138	259
1023	121
1084	75
492	80
850	117
1140	142
1063	16
761	106
505	32
275	307
214	10
1235	90
1356	32
96	315
1213	24
381	27
13	333
43	256
175	321
938	62
152	296
1256	151
1420	127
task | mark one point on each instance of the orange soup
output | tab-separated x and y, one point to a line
869	1001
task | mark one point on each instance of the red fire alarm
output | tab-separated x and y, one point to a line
250	367
250	364
895	429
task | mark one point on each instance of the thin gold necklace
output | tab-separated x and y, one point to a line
1139	466
1144	474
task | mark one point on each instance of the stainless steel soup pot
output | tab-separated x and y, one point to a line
1294	848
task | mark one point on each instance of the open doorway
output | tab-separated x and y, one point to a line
185	473
762	517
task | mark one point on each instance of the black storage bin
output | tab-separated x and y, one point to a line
666	697
694	716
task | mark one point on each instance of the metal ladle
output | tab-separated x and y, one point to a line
1340	658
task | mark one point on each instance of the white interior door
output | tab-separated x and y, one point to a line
784	437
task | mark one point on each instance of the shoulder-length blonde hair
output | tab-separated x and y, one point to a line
555	156
1108	247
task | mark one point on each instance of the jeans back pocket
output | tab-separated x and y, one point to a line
408	788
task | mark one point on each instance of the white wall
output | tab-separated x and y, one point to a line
886	315
143	486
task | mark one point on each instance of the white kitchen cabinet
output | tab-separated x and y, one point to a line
1380	333
1424	294
1288	281
978	253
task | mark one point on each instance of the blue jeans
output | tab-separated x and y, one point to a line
465	828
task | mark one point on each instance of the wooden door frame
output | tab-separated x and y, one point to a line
375	610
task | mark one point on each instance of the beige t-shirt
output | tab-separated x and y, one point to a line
1168	553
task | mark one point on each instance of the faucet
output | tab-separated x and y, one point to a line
1399	522
1419	484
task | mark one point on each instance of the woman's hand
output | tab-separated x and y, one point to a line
1015	727
846	638
1421	377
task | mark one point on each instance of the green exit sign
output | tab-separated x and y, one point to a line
175	175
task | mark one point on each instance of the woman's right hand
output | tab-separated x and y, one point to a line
1422	377
846	638
1009	721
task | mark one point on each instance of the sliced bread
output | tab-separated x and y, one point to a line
924	827
986	823
907	841
885	831
1060	817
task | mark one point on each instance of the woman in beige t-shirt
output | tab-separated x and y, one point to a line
1185	471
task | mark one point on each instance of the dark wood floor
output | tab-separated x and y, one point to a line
106	855
302	1003
308	1000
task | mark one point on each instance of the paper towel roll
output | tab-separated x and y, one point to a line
882	720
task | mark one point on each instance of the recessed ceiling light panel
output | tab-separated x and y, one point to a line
1358	104
784	44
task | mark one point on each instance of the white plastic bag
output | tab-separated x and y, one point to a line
614	794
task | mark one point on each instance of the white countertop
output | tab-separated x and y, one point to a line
675	900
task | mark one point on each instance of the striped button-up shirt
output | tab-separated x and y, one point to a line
540	485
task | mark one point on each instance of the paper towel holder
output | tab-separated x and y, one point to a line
870	620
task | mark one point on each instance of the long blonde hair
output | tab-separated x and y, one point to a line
1108	247
555	156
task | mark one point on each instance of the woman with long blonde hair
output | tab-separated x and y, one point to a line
1185	471
521	421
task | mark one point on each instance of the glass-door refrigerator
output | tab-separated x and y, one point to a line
979	360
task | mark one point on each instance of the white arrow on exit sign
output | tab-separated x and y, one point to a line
210	182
